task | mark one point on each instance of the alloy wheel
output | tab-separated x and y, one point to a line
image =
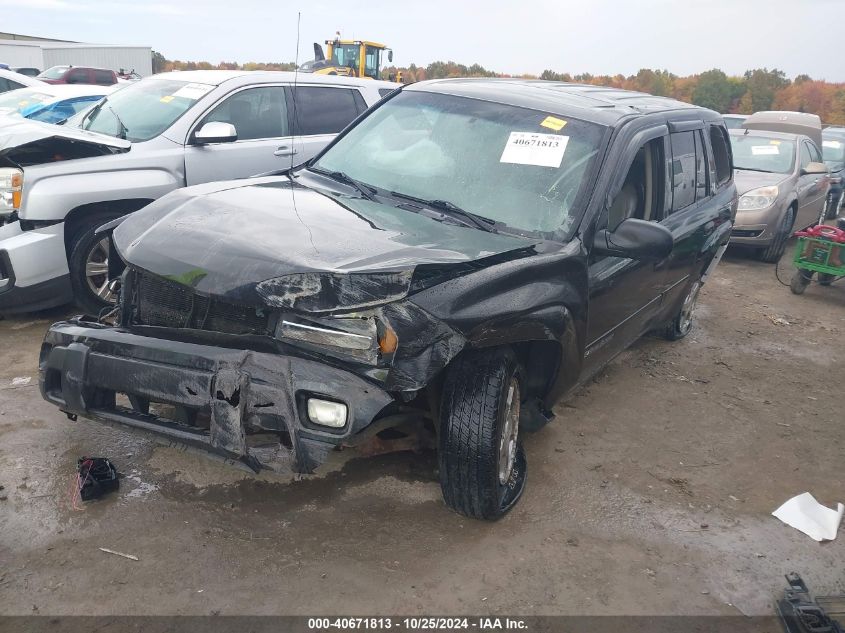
97	271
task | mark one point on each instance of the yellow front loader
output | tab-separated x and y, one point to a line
350	58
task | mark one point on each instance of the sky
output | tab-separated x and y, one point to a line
527	36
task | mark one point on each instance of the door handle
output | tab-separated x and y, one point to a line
284	150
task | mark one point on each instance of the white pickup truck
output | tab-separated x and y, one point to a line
58	184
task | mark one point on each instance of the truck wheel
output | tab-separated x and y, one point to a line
799	282
482	462
89	267
681	325
774	251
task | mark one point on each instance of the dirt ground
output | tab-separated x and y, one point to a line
650	493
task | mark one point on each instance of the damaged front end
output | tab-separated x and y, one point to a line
270	386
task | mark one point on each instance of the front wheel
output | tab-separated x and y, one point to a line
774	251
89	268
482	462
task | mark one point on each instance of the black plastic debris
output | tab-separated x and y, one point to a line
97	476
800	613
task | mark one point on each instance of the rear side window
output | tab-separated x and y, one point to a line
721	159
700	167
683	170
77	76
103	77
323	110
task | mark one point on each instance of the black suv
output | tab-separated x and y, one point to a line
461	256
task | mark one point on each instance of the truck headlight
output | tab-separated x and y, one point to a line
757	199
11	189
361	336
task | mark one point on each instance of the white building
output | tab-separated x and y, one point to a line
23	51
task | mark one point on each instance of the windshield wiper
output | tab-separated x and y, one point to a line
453	210
339	176
765	171
89	118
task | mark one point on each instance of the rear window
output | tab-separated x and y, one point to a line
104	77
721	159
323	110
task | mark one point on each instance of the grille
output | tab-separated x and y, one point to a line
165	303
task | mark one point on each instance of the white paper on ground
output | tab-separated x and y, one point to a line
806	514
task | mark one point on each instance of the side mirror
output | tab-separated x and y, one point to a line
635	239
814	169
216	132
390	55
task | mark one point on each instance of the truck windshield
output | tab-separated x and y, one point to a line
521	168
144	109
761	153
833	149
346	55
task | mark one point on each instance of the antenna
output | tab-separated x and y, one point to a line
295	99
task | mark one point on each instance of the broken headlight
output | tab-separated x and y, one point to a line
11	190
361	336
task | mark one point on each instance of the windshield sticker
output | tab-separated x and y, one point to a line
553	123
774	142
832	144
765	150
167	99
529	148
192	91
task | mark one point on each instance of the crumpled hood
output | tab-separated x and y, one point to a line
17	132
269	241
748	180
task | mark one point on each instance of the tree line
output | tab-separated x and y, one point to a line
754	90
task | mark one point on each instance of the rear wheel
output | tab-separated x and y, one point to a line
682	324
774	251
89	267
482	462
834	204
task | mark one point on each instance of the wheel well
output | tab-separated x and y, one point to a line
540	360
83	214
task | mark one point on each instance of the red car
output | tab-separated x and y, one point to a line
78	75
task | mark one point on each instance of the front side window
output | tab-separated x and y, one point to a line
371	62
806	159
815	154
255	113
523	168
323	110
144	109
754	152
683	170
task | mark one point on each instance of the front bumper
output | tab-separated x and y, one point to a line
33	268
240	404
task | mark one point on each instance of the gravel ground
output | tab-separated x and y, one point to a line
650	493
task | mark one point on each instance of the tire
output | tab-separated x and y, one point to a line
682	323
825	279
833	206
799	282
88	264
774	251
482	462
